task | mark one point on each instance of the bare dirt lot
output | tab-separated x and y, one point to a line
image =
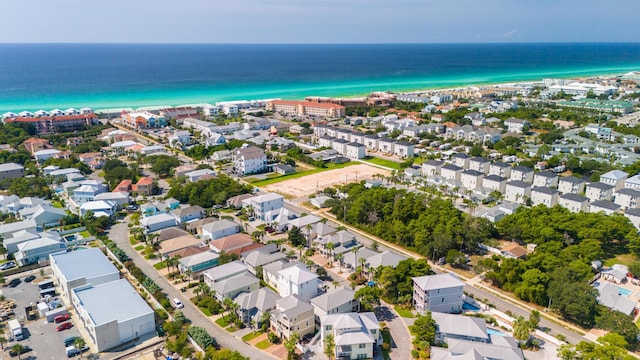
307	185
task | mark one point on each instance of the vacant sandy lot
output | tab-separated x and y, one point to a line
307	185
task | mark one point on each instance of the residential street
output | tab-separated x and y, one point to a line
120	234
401	338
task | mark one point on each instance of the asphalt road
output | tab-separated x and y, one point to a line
120	234
400	337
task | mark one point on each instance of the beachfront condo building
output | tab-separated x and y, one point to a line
53	124
306	108
143	120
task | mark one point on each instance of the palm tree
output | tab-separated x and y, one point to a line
335	283
228	304
2	341
355	252
79	344
363	262
330	246
17	348
340	258
308	227
188	272
202	289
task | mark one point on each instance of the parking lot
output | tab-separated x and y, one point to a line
40	336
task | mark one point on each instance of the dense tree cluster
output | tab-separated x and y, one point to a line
298	154
559	270
430	226
162	165
27	186
15	133
198	152
209	192
116	170
396	285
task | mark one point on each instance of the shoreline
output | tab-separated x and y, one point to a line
441	83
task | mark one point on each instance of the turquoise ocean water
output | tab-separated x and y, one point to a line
39	76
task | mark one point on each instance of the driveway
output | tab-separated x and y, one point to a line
400	337
119	233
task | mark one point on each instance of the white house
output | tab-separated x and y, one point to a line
403	149
571	184
479	164
371	142
495	183
439	293
545	178
34	251
517	191
121	198
574	202
180	138
45	154
451	172
544	195
157	222
386	145
605	206
265	206
461	160
299	281
599	191
627	198
516	125
460	327
340	300
471	179
615	178
196	175
633	182
501	169
431	167
522	173
355	334
99	208
219	229
249	160
354	150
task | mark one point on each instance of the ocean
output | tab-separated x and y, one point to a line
47	76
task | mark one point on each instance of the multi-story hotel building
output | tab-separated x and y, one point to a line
306	108
52	124
143	120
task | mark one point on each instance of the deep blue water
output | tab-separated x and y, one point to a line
34	76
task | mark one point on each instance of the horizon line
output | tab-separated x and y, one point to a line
325	43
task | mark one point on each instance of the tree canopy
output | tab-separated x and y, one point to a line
208	192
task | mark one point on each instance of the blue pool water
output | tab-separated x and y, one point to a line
69	238
469	307
624	291
494	332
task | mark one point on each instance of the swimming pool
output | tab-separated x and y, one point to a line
469	307
623	291
491	331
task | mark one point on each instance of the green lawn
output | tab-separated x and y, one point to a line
160	265
223	322
252	335
403	312
56	204
384	162
85	234
624	259
205	311
278	179
132	241
232	329
139	247
263	344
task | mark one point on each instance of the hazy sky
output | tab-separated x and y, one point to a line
319	21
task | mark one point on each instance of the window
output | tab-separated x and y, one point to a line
327	328
362	346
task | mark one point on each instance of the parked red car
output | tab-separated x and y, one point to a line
61	318
64	326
